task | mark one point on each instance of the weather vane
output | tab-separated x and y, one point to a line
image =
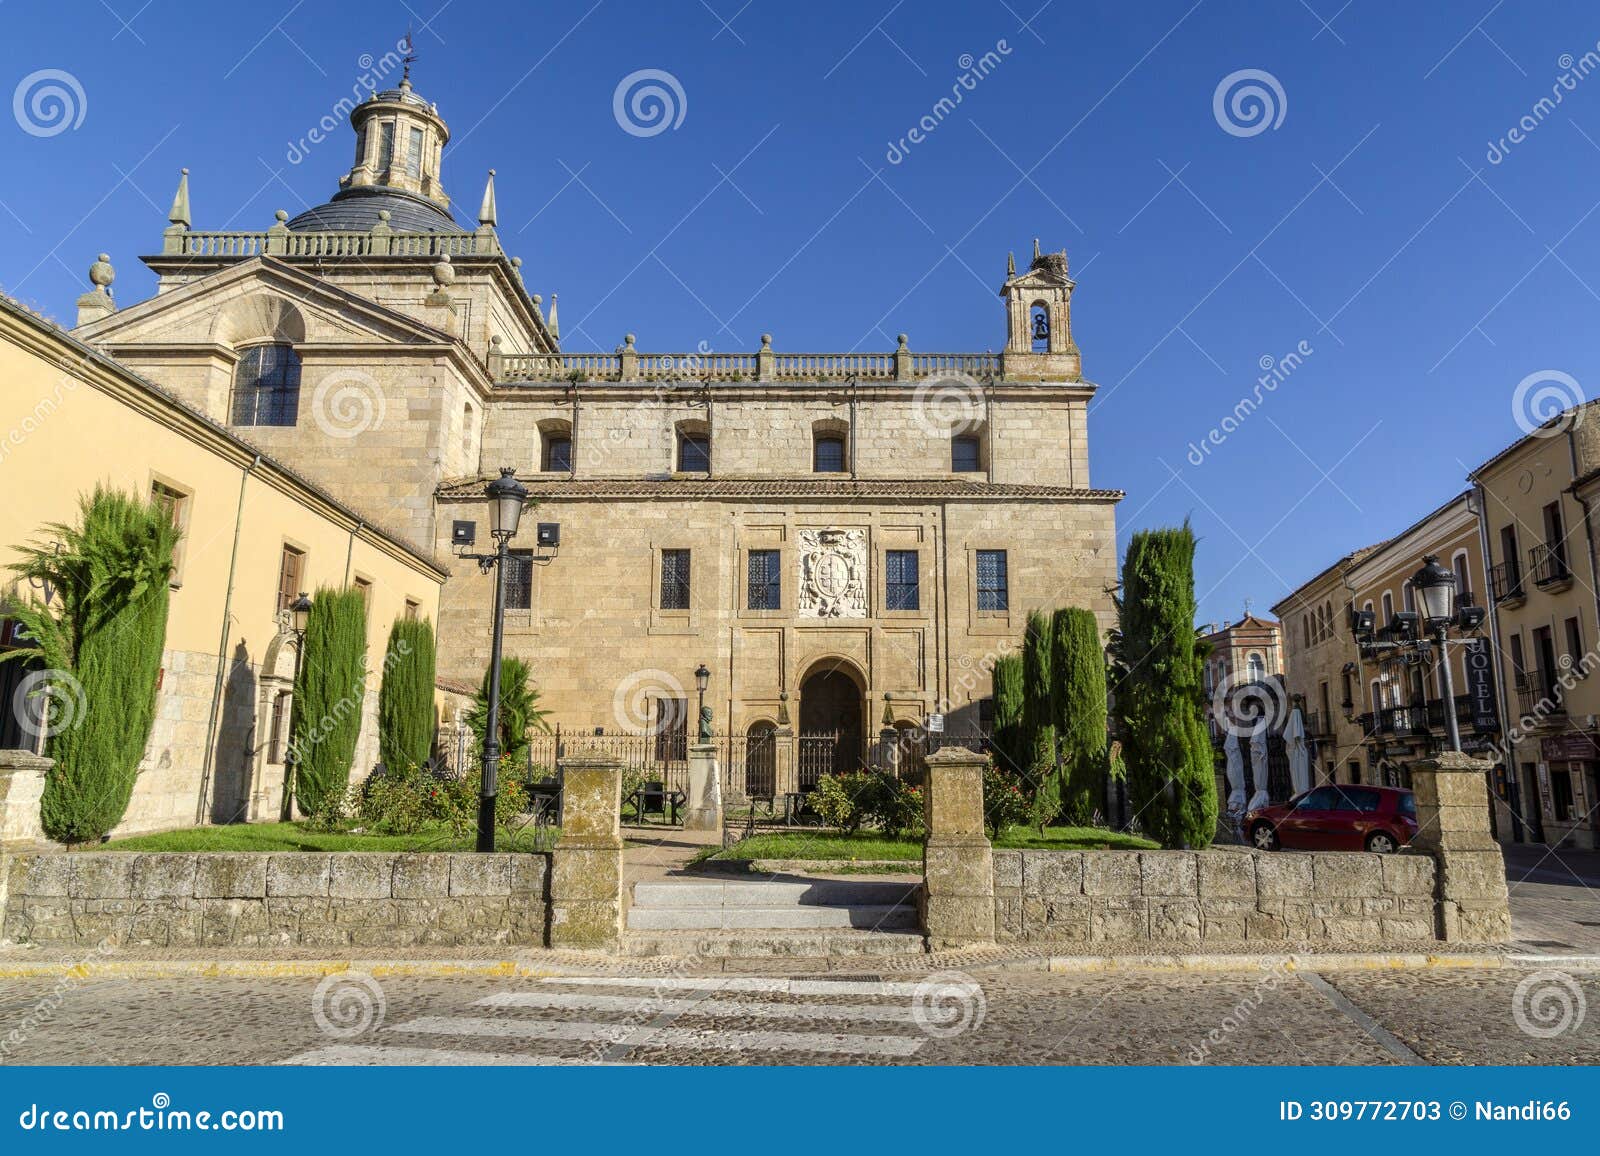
409	58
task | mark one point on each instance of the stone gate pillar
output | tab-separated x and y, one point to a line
705	789
21	788
957	898
586	864
1452	799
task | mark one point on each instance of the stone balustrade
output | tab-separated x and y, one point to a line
278	241
628	364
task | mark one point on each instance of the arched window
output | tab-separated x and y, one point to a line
827	454
1305	628
966	454
1257	668
694	448
1039	327
555	447
1463	572
1388	608
1327	620
266	386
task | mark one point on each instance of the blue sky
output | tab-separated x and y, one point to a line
1368	222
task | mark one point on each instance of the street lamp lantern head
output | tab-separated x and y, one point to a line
1436	591
300	610
702	678
506	499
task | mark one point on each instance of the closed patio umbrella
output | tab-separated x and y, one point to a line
1294	737
1258	765
1235	769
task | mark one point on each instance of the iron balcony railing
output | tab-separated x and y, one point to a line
1505	581
1548	564
1463	706
1538	695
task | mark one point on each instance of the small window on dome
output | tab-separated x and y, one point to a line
385	144
414	153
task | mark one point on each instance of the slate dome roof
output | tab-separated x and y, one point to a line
356	211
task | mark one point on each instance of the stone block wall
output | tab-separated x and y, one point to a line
1126	897
261	900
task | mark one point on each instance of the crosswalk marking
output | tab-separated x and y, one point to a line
843	1043
751	983
747	1009
378	1055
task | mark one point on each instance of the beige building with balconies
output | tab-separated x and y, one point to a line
846	540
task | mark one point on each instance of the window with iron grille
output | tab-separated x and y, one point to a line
674	579
519	580
827	455
965	455
900	580
694	453
993	593
266	386
764	584
671	727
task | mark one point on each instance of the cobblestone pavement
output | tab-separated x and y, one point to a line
1455	1016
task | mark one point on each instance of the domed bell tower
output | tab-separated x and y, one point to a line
399	140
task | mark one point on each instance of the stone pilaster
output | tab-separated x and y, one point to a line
1453	826
957	899
21	787
586	864
705	789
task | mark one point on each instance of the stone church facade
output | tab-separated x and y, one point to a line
844	540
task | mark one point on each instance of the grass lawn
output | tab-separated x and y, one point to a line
874	845
299	837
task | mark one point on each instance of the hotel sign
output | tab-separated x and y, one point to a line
1572	747
1480	687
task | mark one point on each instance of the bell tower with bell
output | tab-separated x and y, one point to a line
1039	343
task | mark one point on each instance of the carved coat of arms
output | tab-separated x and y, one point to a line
833	573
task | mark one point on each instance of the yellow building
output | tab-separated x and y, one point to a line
255	534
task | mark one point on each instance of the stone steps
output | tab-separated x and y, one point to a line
807	918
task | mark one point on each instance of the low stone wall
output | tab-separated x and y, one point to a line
1225	896
293	898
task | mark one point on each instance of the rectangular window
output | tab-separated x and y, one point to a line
414	153
993	588
900	580
1561	793
519	579
558	455
385	144
694	453
827	455
364	588
674	579
291	572
1575	644
764	584
965	457
176	504
413	609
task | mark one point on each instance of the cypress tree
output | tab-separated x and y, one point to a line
1038	713
1008	713
1079	670
326	720
102	652
1158	691
405	698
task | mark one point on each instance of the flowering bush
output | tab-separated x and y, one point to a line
1005	803
869	798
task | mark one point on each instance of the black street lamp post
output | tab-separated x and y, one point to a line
299	619
702	679
506	499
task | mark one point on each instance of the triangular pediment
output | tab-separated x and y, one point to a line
256	299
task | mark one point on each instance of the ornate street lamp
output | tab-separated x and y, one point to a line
507	496
299	619
1436	591
702	679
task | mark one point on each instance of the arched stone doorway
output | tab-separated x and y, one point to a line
831	725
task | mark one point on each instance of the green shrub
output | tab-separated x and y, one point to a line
845	801
403	802
519	713
900	809
1158	667
101	645
405	698
1005	803
326	719
1078	667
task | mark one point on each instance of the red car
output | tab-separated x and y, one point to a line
1336	818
